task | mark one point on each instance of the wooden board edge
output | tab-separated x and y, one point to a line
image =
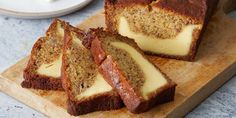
34	101
200	95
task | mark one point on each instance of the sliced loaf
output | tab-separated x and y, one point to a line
86	89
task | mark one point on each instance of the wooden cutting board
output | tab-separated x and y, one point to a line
214	65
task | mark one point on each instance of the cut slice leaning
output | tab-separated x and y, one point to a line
43	69
86	89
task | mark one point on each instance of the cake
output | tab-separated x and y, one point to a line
168	28
124	66
43	68
86	89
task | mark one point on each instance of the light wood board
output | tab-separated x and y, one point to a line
214	65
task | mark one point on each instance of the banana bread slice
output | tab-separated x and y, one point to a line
43	68
140	84
86	89
168	28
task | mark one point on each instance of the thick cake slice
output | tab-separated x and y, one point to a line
86	89
169	28
43	69
140	84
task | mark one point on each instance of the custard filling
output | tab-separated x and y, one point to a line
153	77
52	69
99	86
179	45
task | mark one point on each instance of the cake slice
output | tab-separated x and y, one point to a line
86	88
168	28
140	84
43	68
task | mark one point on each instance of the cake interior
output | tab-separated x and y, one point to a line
82	72
157	30
143	76
48	58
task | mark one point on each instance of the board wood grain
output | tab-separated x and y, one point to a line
215	64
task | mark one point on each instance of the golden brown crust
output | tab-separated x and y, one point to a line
111	71
199	11
67	43
37	81
106	101
128	2
195	9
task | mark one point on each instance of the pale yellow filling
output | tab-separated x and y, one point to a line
153	77
77	40
60	29
180	45
52	69
99	86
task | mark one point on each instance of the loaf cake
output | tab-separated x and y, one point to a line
43	68
140	84
168	28
86	88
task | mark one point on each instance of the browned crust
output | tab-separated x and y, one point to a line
115	77
67	43
195	9
37	81
128	2
200	11
106	101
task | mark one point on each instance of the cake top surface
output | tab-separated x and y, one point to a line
193	8
130	1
